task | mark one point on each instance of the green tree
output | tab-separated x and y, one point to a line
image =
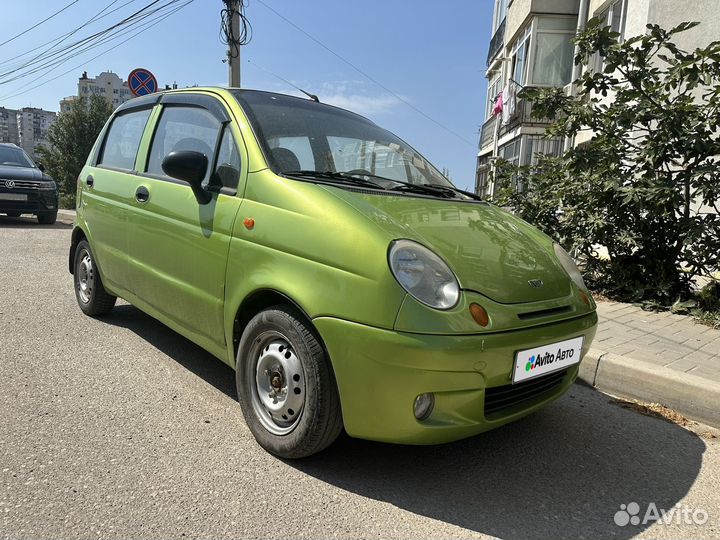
71	139
636	185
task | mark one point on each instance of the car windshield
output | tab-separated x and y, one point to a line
301	135
14	157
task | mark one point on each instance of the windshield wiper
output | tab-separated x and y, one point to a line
337	176
432	189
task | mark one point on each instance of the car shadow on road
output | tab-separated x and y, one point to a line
183	351
29	223
560	473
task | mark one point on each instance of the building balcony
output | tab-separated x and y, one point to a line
520	116
497	42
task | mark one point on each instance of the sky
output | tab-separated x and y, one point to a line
430	55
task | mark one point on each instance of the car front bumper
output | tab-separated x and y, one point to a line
28	201
380	373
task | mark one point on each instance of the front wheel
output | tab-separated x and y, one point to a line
286	386
47	218
91	296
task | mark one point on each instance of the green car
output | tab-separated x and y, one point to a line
345	279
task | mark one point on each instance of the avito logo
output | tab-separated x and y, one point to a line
548	358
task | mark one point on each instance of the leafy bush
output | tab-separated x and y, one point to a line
634	187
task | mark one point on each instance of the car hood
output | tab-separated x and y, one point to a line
490	250
21	173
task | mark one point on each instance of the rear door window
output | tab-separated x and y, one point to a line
123	140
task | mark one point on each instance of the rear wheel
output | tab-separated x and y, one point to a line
91	296
47	218
286	385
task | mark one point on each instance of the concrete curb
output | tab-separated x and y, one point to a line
66	216
690	395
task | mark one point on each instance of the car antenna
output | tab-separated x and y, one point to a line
308	94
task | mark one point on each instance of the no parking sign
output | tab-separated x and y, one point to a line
141	82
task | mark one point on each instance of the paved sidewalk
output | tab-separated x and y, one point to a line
657	357
665	339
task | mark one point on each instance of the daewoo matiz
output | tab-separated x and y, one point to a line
344	278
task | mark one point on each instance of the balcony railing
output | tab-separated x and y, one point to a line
497	42
487	131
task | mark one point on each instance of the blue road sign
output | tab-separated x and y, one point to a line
141	82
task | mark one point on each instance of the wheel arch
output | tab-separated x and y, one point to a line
78	235
254	303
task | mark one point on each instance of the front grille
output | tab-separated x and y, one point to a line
19	184
529	315
505	397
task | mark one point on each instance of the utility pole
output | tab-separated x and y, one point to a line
233	41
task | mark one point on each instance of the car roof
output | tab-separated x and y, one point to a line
155	97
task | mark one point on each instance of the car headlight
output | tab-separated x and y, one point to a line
570	267
423	274
48	186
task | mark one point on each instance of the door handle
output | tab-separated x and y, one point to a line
90	181
142	194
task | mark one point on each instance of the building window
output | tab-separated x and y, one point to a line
494	88
500	13
553	58
518	54
614	17
482	178
536	145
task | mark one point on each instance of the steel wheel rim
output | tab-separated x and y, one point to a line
85	278
277	383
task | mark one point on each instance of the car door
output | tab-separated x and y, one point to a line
106	192
179	247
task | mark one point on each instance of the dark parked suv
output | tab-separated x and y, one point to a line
24	188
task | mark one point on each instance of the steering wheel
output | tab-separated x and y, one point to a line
359	172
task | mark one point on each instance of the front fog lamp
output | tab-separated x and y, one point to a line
423	405
569	265
423	274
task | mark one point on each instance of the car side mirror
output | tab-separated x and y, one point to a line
41	167
191	167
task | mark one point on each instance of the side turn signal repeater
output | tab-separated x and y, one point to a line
249	223
479	314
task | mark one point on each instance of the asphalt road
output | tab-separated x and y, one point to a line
120	428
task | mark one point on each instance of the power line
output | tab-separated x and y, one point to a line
372	79
59	39
38	24
149	25
61	56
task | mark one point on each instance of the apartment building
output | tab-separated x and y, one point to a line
8	126
107	84
531	46
32	128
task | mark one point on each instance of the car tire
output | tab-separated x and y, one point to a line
286	385
90	293
13	214
47	218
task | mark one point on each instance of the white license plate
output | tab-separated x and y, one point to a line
547	358
13	197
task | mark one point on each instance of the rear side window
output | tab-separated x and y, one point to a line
123	140
183	128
